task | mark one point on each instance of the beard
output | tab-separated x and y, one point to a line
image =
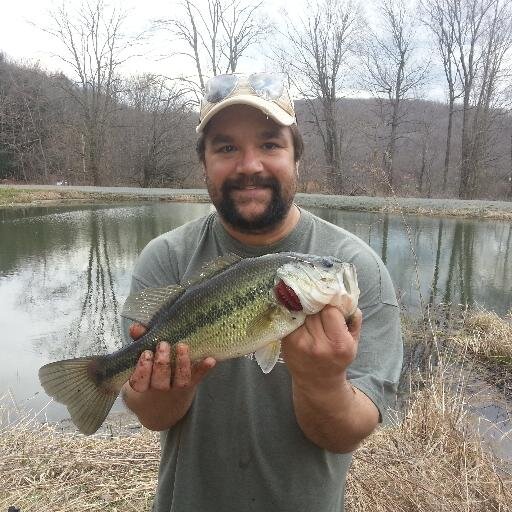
275	212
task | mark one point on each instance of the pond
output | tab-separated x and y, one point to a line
65	271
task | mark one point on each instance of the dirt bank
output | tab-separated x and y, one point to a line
21	195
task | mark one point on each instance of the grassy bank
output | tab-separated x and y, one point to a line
12	197
487	336
18	197
429	460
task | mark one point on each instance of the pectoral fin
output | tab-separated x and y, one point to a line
268	355
262	322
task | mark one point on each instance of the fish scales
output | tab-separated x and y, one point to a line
195	317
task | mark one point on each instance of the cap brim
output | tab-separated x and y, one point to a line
271	109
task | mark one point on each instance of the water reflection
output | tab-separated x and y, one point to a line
438	260
65	271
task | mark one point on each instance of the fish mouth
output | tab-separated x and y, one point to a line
287	296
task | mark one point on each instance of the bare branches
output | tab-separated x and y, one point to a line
392	72
216	36
94	47
317	62
482	36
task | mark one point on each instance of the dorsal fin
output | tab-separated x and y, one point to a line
212	268
143	306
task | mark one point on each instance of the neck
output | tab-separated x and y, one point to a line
268	237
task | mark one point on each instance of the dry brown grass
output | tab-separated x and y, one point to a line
12	197
432	460
487	335
43	469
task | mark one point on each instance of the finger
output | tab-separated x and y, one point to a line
137	330
141	376
182	369
161	376
334	325
200	370
354	324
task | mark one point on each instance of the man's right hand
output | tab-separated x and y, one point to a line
155	371
157	393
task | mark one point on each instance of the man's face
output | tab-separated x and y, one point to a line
250	169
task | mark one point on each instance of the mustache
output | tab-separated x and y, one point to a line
245	181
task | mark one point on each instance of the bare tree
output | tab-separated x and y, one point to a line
24	120
437	18
425	128
392	73
317	64
157	112
216	35
93	47
482	30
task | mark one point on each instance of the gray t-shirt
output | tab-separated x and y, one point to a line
240	447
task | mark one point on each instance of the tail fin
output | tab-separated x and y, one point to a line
76	384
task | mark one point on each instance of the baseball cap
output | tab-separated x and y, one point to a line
265	91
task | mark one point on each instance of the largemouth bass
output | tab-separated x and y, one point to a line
233	307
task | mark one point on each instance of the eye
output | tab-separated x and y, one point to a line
270	145
326	262
228	148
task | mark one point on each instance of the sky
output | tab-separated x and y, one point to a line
22	37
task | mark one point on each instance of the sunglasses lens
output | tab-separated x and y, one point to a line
267	85
219	87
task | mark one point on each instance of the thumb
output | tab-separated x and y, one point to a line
354	324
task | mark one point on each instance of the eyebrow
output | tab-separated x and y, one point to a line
272	133
220	138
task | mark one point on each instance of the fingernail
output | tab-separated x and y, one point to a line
161	346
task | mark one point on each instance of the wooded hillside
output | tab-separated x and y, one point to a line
98	126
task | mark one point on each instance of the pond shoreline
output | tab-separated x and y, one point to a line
40	195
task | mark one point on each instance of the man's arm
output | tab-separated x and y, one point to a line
158	394
330	411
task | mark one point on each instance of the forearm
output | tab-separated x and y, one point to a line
334	415
158	410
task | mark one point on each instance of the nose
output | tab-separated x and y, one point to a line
249	161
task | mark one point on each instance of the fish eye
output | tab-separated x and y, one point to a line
326	262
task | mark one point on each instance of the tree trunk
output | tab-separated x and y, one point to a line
390	157
510	176
465	165
448	142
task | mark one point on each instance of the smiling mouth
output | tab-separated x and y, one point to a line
250	187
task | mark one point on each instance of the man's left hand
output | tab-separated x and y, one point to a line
321	350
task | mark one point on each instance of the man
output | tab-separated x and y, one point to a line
232	438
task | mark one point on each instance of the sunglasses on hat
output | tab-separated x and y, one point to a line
269	86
